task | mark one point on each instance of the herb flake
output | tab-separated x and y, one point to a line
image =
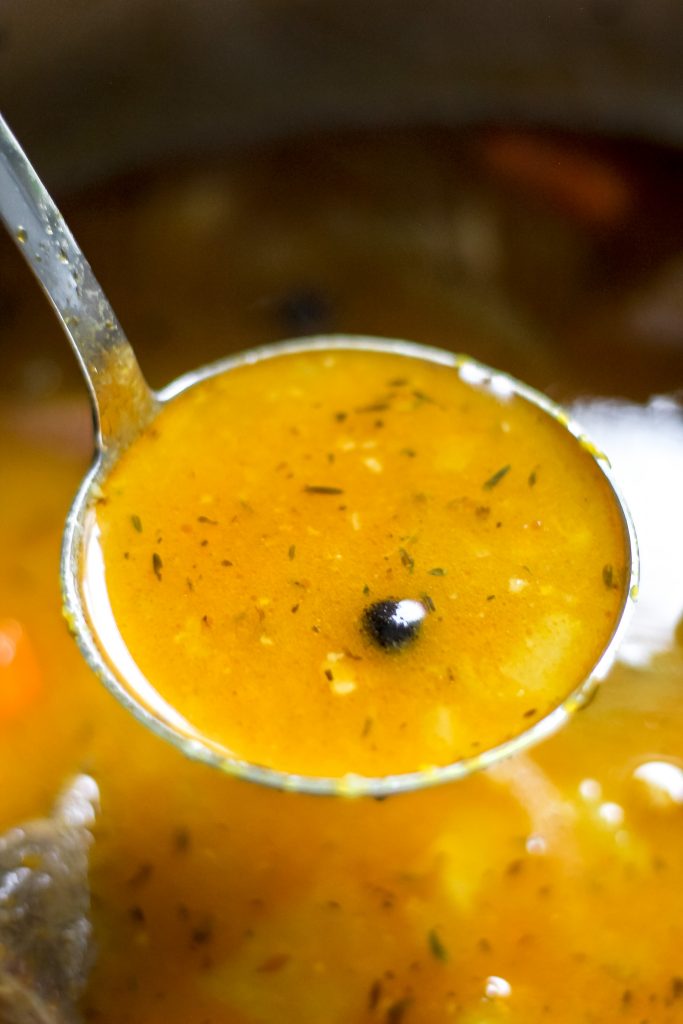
398	1010
157	564
436	946
317	489
137	523
407	559
609	577
374	407
494	480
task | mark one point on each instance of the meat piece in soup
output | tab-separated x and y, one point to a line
45	931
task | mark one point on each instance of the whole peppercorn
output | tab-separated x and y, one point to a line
392	624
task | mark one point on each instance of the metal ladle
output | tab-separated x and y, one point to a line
123	405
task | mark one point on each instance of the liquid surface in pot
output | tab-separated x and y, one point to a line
547	889
354	561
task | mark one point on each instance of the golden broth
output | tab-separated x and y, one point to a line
251	530
547	889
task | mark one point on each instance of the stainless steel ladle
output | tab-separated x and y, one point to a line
123	405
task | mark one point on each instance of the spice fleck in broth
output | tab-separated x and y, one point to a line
359	561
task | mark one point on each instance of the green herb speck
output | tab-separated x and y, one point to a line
422	397
374	994
292	552
317	489
494	480
436	946
157	564
374	407
137	523
609	577
397	1011
436	572
406	559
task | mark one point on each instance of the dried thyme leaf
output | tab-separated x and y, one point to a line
436	946
406	559
292	552
398	1010
436	572
374	994
157	564
315	489
494	480
375	407
422	397
609	577
137	523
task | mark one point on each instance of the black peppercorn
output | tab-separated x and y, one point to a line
393	624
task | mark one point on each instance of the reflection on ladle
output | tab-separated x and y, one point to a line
344	475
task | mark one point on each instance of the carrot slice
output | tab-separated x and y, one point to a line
21	679
583	184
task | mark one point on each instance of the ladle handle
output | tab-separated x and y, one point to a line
122	399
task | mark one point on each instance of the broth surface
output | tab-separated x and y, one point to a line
249	529
547	889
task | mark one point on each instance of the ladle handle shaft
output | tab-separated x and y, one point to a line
122	399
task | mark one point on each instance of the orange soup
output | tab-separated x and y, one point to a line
357	561
545	890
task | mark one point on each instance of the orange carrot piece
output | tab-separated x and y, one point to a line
585	185
21	679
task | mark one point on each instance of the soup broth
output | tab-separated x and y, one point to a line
549	888
260	541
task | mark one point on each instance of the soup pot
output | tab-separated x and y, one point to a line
117	83
246	170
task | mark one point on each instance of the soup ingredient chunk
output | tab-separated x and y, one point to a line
45	932
265	556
